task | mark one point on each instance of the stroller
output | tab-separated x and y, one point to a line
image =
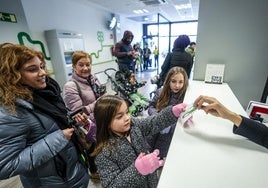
119	83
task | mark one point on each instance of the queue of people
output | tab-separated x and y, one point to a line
41	145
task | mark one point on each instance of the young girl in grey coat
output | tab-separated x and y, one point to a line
122	155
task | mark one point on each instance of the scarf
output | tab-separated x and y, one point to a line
97	89
50	102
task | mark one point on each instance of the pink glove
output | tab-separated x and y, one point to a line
178	109
147	164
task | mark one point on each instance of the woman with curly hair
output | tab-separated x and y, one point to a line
35	137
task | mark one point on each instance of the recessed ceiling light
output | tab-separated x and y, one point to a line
139	11
183	6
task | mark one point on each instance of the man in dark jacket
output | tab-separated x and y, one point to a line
124	52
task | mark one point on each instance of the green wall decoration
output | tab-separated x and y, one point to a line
100	38
23	34
95	54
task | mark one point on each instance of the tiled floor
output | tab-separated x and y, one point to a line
140	76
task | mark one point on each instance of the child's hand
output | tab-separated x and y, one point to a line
178	109
147	164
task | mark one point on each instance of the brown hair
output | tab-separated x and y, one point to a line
77	55
105	110
12	58
164	97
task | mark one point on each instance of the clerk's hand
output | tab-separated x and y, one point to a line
212	106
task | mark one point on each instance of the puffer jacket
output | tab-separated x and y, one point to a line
117	169
74	100
33	146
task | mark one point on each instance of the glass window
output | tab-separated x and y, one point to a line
188	28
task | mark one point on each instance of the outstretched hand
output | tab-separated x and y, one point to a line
212	106
147	164
178	109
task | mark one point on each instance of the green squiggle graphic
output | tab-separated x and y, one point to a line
21	34
101	39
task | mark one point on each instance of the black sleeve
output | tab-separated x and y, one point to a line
253	130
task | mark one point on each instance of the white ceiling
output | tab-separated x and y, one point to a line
164	7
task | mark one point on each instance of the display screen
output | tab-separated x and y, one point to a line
68	57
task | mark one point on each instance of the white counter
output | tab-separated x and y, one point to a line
209	155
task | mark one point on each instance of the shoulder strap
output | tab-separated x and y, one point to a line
78	89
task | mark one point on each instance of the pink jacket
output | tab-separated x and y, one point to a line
72	98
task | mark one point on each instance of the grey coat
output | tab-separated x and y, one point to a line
29	142
117	169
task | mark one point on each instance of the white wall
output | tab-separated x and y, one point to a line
8	30
234	33
36	16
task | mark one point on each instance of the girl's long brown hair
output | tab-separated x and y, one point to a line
105	110
165	94
12	58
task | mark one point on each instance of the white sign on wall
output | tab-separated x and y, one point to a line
214	73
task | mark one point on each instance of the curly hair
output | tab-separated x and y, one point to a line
12	58
165	94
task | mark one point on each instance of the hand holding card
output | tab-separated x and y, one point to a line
188	113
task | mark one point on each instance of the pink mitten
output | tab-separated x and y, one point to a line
147	164
178	109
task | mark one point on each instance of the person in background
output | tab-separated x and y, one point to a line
81	92
191	49
139	101
35	138
122	154
251	129
179	57
137	58
171	93
146	57
124	52
156	54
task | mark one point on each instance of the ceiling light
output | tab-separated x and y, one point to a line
139	11
183	6
145	10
